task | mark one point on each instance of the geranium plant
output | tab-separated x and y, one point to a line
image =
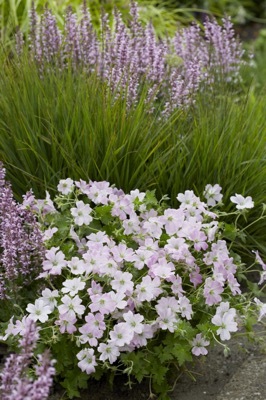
131	286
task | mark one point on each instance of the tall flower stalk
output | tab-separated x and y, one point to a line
21	245
15	384
128	57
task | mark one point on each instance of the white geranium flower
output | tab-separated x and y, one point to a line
242	202
73	286
213	194
261	307
65	186
81	213
39	311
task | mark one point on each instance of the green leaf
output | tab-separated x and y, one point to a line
150	199
204	327
137	364
74	380
250	321
182	352
185	330
254	288
65	353
229	232
104	213
159	372
164	353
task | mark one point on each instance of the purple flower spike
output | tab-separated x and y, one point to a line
129	57
14	382
21	244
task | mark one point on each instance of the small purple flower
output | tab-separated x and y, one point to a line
199	345
212	291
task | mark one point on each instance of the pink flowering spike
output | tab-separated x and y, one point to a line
14	382
21	241
45	372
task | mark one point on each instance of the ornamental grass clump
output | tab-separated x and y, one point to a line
130	286
129	57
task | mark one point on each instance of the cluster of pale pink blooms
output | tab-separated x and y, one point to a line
118	289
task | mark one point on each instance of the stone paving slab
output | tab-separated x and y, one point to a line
248	383
241	375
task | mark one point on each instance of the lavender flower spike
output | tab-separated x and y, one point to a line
21	245
14	382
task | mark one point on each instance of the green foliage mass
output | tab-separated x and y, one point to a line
14	13
58	127
165	15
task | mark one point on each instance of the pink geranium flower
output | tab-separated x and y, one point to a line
199	345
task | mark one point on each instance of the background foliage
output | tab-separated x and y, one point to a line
165	14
